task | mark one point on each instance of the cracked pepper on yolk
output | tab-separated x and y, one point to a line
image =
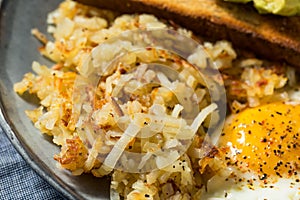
265	139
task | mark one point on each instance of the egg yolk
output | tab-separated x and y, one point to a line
265	140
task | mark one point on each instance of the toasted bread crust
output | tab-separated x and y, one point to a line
271	37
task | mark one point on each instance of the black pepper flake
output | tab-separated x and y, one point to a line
263	177
297	180
278	174
147	195
283	136
278	113
264	140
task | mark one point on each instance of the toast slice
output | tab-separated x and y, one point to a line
272	37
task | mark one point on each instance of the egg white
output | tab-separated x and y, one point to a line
230	184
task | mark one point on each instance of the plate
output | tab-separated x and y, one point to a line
18	49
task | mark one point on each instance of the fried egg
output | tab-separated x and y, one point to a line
261	148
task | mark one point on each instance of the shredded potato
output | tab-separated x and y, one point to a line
93	124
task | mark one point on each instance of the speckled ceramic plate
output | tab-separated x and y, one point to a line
18	50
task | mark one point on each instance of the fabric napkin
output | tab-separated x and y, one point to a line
17	179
